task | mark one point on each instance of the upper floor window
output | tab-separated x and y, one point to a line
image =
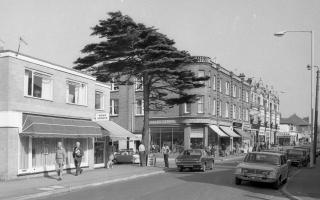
139	107
247	96
220	85
214	107
138	84
240	93
76	93
234	111
37	85
209	80
187	107
239	113
226	114
99	100
214	82
201	73
114	107
246	114
220	109
201	104
227	88
114	85
234	91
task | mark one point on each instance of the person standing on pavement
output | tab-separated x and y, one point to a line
165	152
77	156
60	159
142	155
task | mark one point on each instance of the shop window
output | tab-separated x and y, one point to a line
37	85
99	100
187	107
138	84
139	107
200	103
76	93
114	107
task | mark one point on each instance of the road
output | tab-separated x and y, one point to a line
214	185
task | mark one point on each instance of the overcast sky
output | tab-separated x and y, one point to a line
238	33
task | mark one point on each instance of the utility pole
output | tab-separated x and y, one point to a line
315	132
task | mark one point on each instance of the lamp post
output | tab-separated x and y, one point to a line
282	33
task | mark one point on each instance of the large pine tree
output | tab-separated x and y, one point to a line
128	50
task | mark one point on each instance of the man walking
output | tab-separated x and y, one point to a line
77	156
142	155
166	151
60	159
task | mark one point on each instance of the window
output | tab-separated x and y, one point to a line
220	108
139	107
138	84
201	104
114	85
114	106
226	114
227	88
187	107
214	107
99	100
214	83
201	74
240	93
246	114
234	109
234	91
209	80
76	93
247	96
209	104
253	97
239	113
37	85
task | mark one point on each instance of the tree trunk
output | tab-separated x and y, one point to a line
146	94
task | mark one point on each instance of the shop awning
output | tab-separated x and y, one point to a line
218	131
242	133
44	126
229	131
115	131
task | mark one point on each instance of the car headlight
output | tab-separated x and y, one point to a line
272	174
238	170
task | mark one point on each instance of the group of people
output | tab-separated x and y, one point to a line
61	159
165	150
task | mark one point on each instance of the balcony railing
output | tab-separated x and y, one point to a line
203	59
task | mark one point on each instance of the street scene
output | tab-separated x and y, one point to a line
171	99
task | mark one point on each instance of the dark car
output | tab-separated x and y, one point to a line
298	156
195	159
305	147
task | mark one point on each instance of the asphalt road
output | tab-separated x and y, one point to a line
217	184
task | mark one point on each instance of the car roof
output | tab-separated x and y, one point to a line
267	153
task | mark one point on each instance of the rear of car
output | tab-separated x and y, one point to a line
194	159
298	156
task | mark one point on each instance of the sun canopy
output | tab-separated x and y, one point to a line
242	133
116	132
218	131
229	131
44	126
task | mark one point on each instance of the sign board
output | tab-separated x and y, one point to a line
102	116
151	160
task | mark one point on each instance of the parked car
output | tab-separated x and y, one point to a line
126	156
298	156
195	159
265	167
281	152
305	147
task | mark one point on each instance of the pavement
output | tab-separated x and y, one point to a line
304	184
39	187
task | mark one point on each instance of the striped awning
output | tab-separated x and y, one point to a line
47	126
116	132
218	131
229	131
243	134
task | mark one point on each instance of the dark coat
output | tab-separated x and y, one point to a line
77	153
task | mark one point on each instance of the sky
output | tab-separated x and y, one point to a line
238	34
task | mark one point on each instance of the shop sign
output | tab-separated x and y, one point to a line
163	121
102	117
237	125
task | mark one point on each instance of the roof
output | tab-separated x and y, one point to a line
294	120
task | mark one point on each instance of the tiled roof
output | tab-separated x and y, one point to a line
294	120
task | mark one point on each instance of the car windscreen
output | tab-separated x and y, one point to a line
262	158
295	152
192	152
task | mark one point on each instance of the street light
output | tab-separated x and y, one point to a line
280	34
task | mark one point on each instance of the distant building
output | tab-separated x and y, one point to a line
293	130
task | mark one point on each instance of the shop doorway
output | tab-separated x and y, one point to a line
99	152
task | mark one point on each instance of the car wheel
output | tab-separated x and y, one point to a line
203	167
237	181
277	184
180	169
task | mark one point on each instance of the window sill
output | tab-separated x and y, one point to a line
139	115
114	90
113	115
76	104
31	97
100	109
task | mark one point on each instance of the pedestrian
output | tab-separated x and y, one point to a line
142	155
165	152
60	159
110	161
77	156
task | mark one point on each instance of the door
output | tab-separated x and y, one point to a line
99	152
